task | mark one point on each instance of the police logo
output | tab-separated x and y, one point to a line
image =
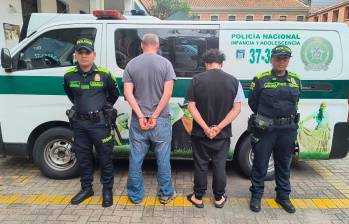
97	78
316	54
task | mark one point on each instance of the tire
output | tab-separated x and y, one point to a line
245	158
52	154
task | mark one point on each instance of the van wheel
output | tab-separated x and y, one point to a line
53	154
245	159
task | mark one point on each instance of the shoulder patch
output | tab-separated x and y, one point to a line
294	75
74	69
259	76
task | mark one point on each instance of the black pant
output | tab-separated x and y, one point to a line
204	150
280	142
86	135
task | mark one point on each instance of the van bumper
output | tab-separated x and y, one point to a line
340	141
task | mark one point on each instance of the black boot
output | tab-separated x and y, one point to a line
82	196
255	204
286	204
107	198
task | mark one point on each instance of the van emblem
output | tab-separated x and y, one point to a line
316	54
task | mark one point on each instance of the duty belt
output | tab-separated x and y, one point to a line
283	120
91	116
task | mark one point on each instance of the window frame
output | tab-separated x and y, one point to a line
270	16
323	16
213	16
249	16
28	41
283	16
112	28
346	13
303	18
335	12
232	16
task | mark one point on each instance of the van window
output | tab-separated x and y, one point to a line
52	49
183	47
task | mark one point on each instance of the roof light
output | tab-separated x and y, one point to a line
108	14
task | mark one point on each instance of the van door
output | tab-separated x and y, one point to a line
33	91
183	45
317	56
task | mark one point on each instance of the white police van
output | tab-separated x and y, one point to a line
33	103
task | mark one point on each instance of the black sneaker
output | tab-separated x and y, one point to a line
286	205
255	204
82	196
107	198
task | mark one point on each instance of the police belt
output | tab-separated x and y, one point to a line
283	120
90	116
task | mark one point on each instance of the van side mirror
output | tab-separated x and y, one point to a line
6	60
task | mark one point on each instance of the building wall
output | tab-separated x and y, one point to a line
11	15
341	15
50	6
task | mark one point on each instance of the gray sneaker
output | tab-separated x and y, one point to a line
167	199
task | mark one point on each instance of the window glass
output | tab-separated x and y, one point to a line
182	47
232	18
267	18
52	49
300	18
214	18
249	18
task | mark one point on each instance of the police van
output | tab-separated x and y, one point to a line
33	103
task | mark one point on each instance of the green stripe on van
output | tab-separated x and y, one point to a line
53	85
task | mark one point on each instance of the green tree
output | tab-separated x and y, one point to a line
164	8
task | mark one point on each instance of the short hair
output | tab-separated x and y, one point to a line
213	56
150	39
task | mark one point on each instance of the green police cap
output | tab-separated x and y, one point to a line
84	43
281	50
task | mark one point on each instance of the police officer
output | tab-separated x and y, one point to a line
93	91
273	99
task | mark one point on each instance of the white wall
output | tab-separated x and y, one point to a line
50	6
76	5
9	15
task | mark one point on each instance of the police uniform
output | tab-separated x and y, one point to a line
275	98
91	93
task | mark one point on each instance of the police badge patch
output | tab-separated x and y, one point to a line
97	77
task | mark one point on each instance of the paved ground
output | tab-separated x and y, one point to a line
320	191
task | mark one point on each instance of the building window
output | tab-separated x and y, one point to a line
335	16
346	16
316	19
62	6
300	18
324	17
214	18
196	17
231	18
283	18
249	18
267	18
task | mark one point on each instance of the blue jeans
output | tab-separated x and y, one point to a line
160	138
